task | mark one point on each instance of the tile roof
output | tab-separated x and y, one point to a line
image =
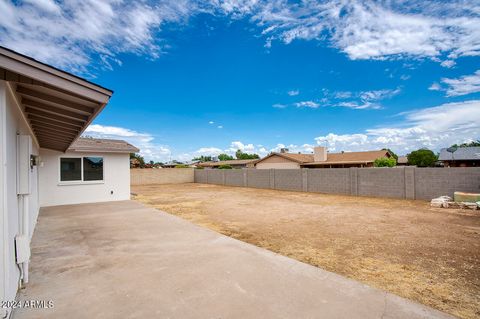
231	162
334	158
462	153
402	160
300	158
84	144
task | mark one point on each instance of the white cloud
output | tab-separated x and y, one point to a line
362	105
220	126
293	92
464	85
448	63
69	34
365	99
434	128
279	106
308	104
211	122
375	29
73	34
207	151
343	95
144	141
435	87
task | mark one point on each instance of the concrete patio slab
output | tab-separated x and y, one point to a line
126	260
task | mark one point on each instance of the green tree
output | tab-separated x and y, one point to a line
385	162
139	158
395	156
470	144
202	159
241	155
225	157
225	166
422	158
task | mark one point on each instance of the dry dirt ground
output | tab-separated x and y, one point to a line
430	255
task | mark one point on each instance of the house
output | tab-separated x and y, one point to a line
248	163
402	161
43	112
91	170
460	157
320	159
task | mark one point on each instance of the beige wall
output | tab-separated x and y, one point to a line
145	176
277	162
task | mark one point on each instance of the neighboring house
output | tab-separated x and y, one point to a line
43	111
174	164
134	163
462	157
320	159
402	161
249	163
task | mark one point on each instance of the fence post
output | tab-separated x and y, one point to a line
245	178
409	182
272	178
305	179
354	181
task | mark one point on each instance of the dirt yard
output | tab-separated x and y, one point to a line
429	255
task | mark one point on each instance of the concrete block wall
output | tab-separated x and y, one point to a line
398	182
288	179
331	181
234	177
215	176
145	176
200	176
434	182
258	178
381	182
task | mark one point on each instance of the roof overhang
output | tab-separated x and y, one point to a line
58	105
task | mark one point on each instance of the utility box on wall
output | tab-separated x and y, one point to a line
24	150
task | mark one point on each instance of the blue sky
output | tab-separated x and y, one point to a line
201	78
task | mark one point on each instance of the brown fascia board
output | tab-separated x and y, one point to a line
97	150
281	155
29	67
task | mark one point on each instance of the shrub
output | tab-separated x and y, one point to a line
182	166
385	162
225	166
422	158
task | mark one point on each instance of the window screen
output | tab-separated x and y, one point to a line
70	169
93	168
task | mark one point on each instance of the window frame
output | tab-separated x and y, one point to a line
81	181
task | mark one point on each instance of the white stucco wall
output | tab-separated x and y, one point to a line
116	175
12	123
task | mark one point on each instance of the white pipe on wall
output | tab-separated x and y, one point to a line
25	230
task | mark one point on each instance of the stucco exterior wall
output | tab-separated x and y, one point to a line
115	186
145	176
277	162
12	123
